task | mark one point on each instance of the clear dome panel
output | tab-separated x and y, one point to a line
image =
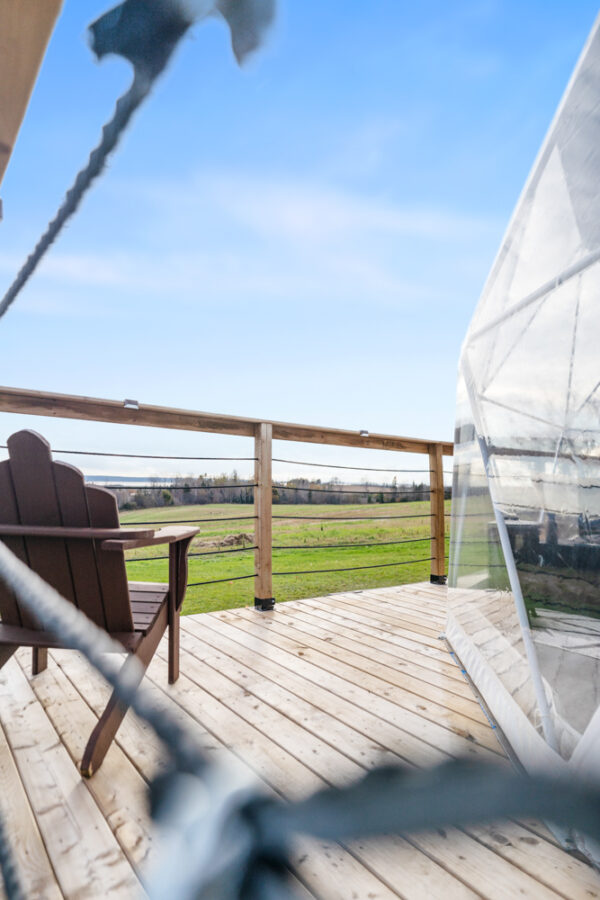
527	452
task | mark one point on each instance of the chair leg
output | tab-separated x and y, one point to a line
177	584
108	724
39	660
102	736
6	651
174	647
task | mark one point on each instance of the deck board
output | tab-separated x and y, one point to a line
76	833
313	694
25	838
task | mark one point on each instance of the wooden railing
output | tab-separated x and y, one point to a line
264	432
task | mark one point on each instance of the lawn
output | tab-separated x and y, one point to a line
236	535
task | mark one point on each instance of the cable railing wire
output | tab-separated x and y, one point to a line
296	462
220	552
406	562
204	553
239	459
192	521
221	580
351	545
317	518
150	455
351	518
170	487
359	491
481	515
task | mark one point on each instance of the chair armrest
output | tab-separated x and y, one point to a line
168	535
59	531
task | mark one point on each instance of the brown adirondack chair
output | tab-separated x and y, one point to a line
69	534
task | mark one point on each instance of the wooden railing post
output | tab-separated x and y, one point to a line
438	528
263	500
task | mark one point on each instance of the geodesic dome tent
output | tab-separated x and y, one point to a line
524	576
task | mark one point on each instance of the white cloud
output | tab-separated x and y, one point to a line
297	210
239	238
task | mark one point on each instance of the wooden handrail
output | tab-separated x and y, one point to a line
264	432
69	406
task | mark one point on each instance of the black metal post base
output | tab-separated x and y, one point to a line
265	604
438	579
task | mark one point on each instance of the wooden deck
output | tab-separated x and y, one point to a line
311	694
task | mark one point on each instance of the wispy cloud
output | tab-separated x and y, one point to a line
237	238
88	269
304	210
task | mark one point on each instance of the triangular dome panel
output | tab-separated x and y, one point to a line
524	575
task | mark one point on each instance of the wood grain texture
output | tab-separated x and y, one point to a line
263	500
423	717
118	787
269	746
35	869
25	29
445	676
120	536
68	406
87	859
436	498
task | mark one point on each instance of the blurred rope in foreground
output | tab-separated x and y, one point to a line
145	32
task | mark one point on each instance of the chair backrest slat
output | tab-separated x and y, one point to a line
70	491
37	504
9	608
111	563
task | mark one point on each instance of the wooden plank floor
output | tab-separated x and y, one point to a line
311	694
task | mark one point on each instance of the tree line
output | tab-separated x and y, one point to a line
233	489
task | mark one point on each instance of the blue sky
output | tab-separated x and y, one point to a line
302	239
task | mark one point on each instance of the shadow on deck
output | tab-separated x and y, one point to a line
311	694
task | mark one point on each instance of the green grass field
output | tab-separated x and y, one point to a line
216	535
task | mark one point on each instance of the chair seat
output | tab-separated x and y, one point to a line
146	600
